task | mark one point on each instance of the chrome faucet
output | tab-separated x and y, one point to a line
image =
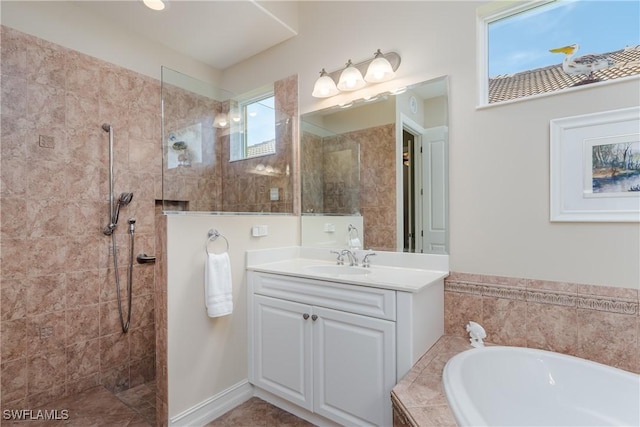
353	259
365	261
340	259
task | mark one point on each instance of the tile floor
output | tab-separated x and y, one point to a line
142	399
258	413
94	407
98	407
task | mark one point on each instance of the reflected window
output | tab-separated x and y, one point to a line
255	132
535	47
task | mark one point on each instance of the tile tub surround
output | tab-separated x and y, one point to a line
419	399
59	321
597	323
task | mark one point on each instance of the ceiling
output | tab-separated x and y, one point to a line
218	33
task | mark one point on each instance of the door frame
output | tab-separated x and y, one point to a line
411	126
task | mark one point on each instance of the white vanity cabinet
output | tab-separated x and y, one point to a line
335	350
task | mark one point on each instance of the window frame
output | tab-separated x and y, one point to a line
486	15
239	130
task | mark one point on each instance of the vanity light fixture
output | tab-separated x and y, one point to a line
379	69
154	4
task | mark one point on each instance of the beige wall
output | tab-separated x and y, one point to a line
72	26
209	355
499	158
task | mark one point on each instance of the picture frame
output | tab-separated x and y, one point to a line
595	167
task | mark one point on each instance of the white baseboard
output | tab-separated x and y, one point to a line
215	406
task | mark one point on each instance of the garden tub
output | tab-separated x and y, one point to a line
514	386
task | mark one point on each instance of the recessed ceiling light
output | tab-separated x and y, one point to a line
154	4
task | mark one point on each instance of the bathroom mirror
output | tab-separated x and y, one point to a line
398	144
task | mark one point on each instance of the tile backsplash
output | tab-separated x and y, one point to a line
598	323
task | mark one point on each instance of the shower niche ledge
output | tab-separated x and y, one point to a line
329	345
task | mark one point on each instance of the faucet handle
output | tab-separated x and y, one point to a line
340	258
365	261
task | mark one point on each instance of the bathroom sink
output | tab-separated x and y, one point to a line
337	270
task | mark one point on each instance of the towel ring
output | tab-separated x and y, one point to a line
213	235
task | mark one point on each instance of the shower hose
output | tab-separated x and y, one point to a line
125	325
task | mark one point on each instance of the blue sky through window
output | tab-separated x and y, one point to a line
261	126
522	42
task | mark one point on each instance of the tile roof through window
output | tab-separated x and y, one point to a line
553	78
261	149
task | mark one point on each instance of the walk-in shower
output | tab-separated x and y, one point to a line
109	230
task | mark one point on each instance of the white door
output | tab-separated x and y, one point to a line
282	349
434	190
354	368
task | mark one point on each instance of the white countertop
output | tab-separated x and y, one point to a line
378	276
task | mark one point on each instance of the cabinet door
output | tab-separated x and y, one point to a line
282	349
354	367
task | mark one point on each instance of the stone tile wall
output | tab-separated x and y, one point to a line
59	320
329	189
378	185
246	183
598	323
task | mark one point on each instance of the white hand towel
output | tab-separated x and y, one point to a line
217	285
355	243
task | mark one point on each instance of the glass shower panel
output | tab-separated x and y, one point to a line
201	126
330	169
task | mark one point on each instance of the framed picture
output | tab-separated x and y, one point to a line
595	167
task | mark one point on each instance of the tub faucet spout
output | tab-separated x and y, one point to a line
476	334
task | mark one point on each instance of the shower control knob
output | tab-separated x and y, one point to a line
132	220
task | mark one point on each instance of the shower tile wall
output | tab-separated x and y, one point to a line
197	187
378	185
598	323
377	190
211	184
59	319
312	165
246	184
341	189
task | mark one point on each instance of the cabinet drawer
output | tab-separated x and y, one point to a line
374	302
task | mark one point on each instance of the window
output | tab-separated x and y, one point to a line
254	133
535	47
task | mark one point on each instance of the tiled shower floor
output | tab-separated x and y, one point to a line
142	399
94	407
98	407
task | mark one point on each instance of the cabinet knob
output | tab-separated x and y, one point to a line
314	317
305	316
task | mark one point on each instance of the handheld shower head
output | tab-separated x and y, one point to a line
106	127
123	200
